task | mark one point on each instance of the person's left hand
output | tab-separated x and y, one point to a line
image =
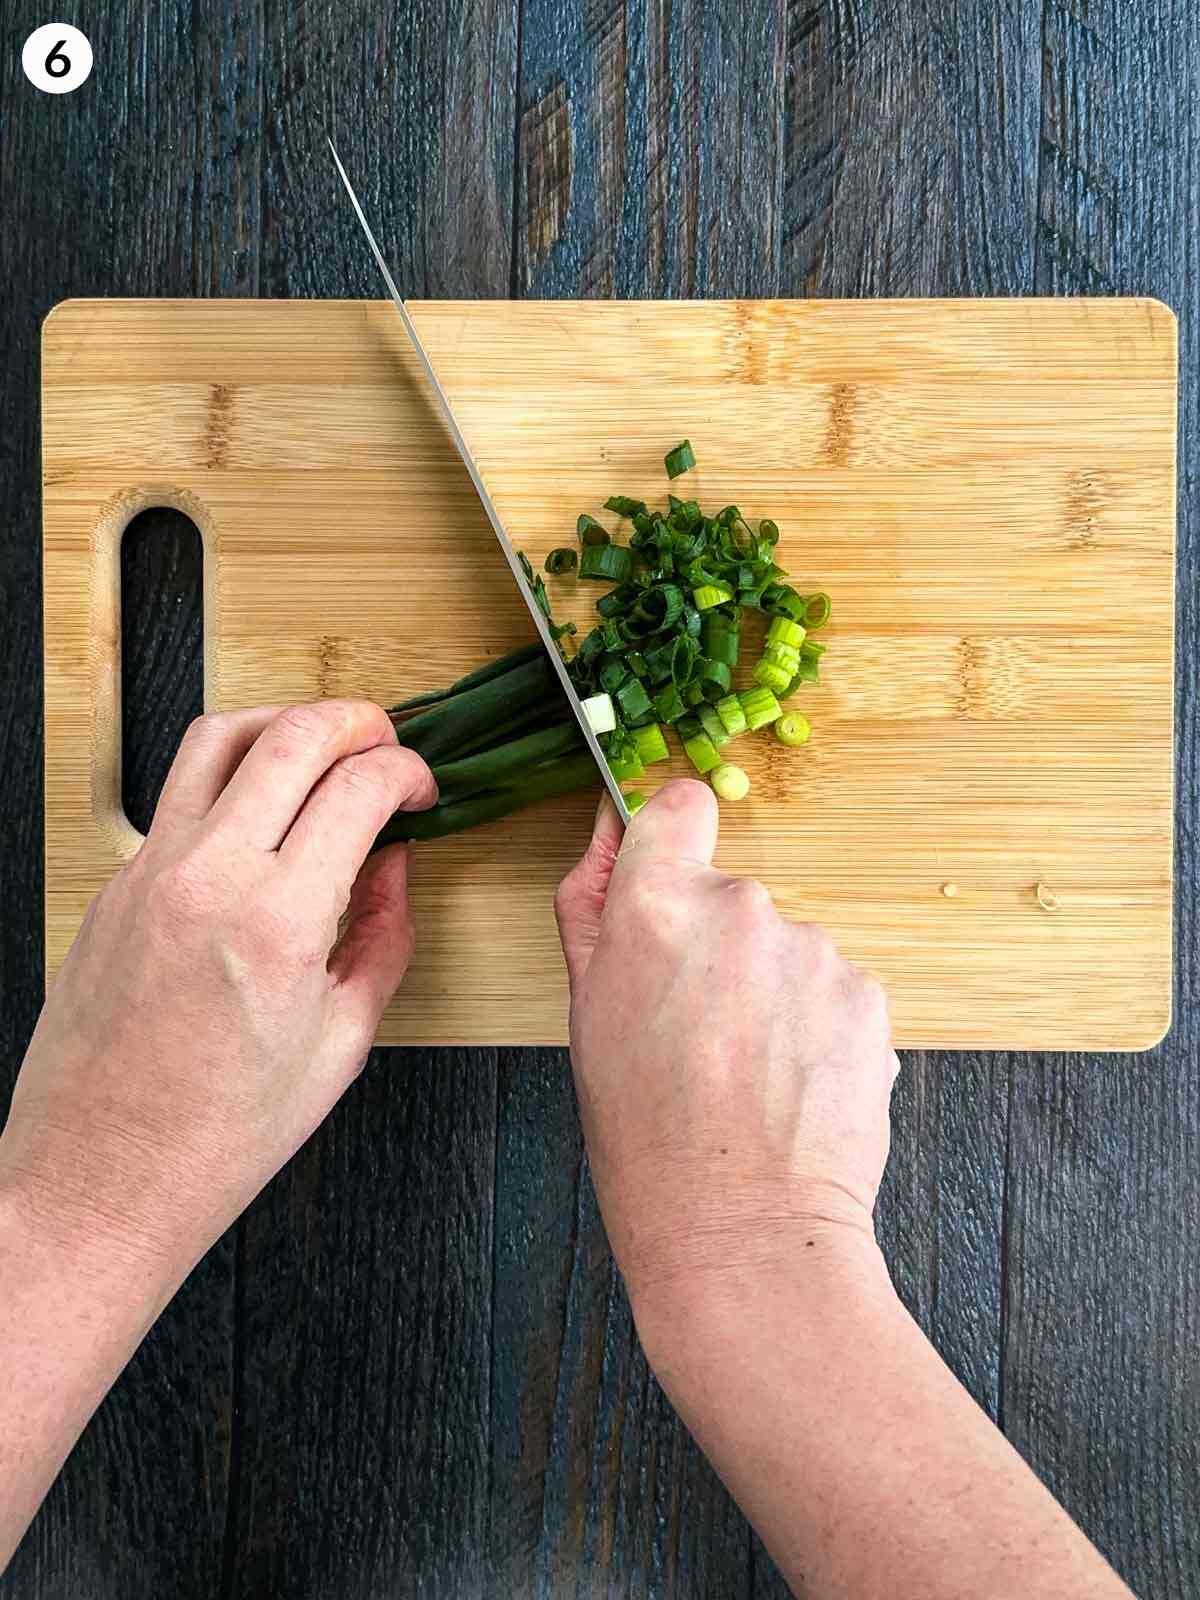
208	1015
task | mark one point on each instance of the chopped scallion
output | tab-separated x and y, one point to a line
711	594
712	725
702	752
591	532
793	728
783	630
760	707
731	714
610	561
729	782
650	744
679	460
599	711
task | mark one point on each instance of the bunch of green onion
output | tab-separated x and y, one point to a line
661	656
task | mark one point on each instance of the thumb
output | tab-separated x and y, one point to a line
678	824
582	893
373	953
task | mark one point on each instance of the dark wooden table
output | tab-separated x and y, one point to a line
411	1369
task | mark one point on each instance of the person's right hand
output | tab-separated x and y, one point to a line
733	1071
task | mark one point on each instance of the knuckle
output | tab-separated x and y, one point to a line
364	781
178	893
268	932
821	954
202	733
871	996
751	899
302	729
651	894
565	895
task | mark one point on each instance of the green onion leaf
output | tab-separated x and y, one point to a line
711	594
634	701
613	673
715	679
609	561
624	506
784	631
679	460
591	532
560	561
668	704
769	676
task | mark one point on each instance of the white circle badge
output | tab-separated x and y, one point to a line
57	58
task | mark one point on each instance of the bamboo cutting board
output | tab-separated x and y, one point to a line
986	489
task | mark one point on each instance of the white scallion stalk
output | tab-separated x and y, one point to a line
600	714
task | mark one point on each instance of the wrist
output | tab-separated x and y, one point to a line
819	1278
84	1233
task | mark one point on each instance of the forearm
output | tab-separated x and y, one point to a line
864	1465
73	1308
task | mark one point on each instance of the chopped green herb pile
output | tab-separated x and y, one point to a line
670	631
662	655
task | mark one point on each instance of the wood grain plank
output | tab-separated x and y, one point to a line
650	162
650	149
365	1316
1102	1312
364	1335
138	183
910	139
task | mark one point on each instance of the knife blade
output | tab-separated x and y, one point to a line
540	621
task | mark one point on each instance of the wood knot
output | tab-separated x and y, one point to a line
1082	507
218	425
329	650
839	431
546	135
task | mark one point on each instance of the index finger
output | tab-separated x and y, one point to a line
288	759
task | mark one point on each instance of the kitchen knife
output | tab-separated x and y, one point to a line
535	611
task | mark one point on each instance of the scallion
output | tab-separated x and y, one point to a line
759	706
611	561
712	725
711	594
731	714
591	532
793	728
702	753
729	782
650	744
679	460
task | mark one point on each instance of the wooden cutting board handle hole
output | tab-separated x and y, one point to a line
153	601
